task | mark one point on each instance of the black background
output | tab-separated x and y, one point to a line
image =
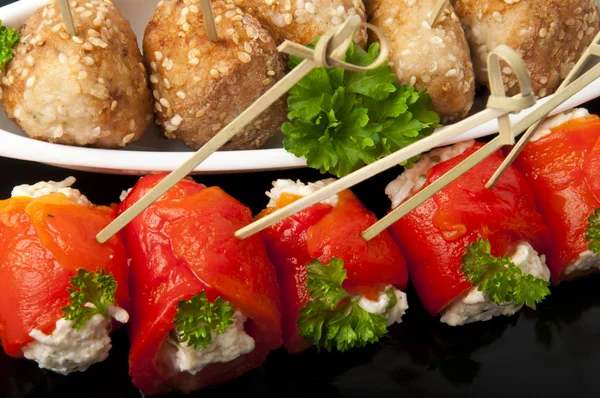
551	352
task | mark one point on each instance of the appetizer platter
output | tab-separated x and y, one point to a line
213	284
154	153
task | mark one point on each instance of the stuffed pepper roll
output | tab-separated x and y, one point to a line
205	305
338	291
473	253
59	288
562	165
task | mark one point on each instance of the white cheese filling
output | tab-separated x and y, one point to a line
380	307
225	347
545	127
412	180
43	188
124	194
476	306
298	188
67	350
587	262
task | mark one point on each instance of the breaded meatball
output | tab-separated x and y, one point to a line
200	86
90	89
550	36
434	58
302	21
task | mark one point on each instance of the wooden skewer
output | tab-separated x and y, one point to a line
592	50
209	20
330	49
436	12
555	101
67	15
423	145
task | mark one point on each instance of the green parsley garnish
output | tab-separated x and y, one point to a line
342	120
333	318
197	318
93	288
593	232
8	39
500	278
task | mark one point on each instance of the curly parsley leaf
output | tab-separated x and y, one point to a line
592	234
196	318
333	319
91	294
341	120
8	39
500	278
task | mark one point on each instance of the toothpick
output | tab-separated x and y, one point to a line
592	50
555	101
67	15
436	12
331	48
503	107
209	20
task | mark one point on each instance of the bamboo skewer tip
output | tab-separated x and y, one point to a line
67	15
436	13
209	20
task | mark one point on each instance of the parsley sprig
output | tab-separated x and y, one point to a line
333	319
500	278
93	288
592	234
342	120
196	318
8	39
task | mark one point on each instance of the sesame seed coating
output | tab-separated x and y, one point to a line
550	36
436	58
81	90
302	21
200	85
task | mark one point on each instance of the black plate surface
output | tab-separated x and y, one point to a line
554	352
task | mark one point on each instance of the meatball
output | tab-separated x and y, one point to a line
303	21
200	86
90	89
436	58
550	36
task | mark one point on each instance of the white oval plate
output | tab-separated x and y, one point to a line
153	153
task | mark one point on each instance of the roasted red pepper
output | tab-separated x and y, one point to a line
563	170
434	235
184	244
322	232
44	242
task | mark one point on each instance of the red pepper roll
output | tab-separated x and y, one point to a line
205	304
465	217
48	246
562	166
375	271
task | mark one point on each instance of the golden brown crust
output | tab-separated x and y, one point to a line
200	86
550	35
86	90
304	20
435	58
